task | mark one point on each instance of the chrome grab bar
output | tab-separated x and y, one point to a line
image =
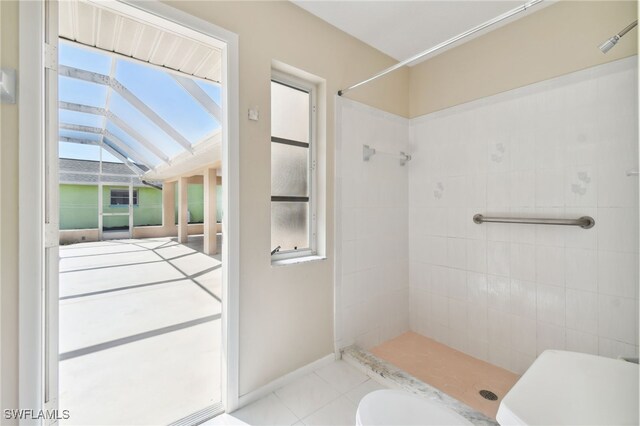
584	222
368	152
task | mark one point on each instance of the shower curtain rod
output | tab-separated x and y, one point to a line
460	36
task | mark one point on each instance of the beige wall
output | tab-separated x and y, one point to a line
286	318
553	41
169	231
70	236
8	216
286	312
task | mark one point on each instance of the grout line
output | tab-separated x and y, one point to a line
136	337
168	261
116	289
340	394
110	266
100	254
189	278
282	402
180	256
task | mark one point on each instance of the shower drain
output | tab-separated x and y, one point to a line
486	394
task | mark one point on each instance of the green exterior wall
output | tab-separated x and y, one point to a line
148	211
195	197
79	206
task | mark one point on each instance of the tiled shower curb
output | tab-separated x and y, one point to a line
394	377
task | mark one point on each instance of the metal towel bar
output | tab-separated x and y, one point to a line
585	222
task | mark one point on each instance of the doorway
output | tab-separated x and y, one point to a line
42	389
116	224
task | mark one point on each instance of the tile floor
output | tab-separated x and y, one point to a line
328	396
139	331
457	374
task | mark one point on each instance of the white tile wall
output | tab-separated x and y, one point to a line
410	255
372	269
504	293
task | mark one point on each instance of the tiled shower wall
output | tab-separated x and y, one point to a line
561	149
372	283
502	293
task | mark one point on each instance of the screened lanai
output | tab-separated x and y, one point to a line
142	110
140	212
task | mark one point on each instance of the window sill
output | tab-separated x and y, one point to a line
296	260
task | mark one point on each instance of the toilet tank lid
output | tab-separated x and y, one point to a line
569	388
394	407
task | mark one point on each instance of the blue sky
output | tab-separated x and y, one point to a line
154	87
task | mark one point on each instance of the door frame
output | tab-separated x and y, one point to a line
101	206
32	183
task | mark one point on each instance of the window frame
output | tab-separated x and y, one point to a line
135	197
312	89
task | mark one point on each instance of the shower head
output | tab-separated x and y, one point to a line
608	45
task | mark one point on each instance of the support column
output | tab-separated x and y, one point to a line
168	206
130	209
100	208
210	228
183	222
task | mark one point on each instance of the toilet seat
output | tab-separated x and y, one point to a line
392	407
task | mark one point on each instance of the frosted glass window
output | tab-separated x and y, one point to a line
289	170
289	113
290	225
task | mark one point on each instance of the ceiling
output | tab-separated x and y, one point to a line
404	28
90	25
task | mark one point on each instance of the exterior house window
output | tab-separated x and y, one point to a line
120	197
293	215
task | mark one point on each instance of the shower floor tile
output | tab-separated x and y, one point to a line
459	375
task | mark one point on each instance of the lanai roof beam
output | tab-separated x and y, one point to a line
120	123
200	96
127	150
131	153
123	158
138	171
81	141
113	83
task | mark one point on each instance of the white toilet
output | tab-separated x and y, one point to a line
392	407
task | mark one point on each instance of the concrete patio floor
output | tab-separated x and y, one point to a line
139	331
